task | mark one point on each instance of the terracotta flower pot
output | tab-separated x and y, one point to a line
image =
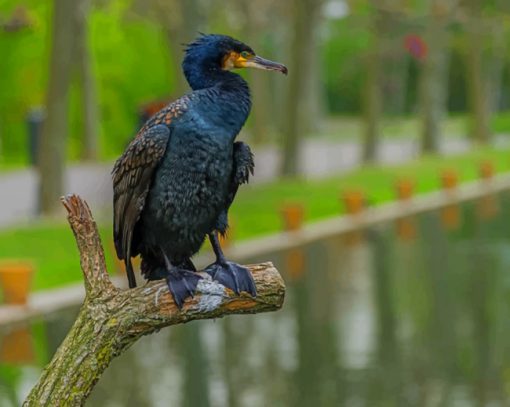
486	170
405	189
15	279
293	215
449	179
354	202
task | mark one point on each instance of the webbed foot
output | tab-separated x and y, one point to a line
233	276
182	284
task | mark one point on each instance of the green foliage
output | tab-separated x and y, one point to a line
501	123
40	342
255	212
9	379
22	76
131	63
133	66
342	60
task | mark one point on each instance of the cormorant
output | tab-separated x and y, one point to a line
176	180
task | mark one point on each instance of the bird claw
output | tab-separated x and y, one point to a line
232	276
182	284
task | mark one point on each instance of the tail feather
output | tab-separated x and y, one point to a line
152	268
130	273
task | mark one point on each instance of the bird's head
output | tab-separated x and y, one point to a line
214	52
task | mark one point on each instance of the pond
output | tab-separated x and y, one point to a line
410	313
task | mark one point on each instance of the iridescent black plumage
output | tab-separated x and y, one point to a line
175	182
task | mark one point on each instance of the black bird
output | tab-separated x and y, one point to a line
176	180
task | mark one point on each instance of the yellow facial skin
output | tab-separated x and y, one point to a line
235	60
247	59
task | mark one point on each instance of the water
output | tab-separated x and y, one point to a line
415	314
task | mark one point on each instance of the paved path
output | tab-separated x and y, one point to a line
319	158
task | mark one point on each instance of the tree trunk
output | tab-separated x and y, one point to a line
260	82
477	85
297	117
52	152
497	64
389	25
87	83
372	104
314	98
433	84
175	50
111	320
181	29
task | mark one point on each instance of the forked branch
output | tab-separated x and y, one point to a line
111	319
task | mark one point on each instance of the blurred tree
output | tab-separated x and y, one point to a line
87	83
181	21
479	106
55	130
256	17
392	22
298	115
433	85
182	26
315	94
498	50
371	101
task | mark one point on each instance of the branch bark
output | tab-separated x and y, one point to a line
111	319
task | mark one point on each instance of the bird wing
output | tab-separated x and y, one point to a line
132	177
244	165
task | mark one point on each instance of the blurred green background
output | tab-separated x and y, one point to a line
387	62
378	91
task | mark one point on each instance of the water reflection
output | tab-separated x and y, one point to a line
404	314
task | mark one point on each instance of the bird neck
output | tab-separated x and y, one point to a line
207	75
229	93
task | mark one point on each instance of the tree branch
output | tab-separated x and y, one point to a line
111	320
89	244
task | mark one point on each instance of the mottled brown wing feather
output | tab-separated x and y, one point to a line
132	176
244	165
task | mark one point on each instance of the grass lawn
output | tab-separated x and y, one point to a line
53	250
255	212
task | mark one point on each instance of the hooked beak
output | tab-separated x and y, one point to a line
262	63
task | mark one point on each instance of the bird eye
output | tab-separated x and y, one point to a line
245	54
